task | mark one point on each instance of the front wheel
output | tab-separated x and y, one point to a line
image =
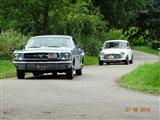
37	74
79	72
126	61
108	63
131	61
20	74
100	62
69	74
54	74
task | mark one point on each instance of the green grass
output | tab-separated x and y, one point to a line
146	49
90	60
145	78
7	69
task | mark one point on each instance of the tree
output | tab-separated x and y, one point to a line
27	15
119	12
77	18
147	22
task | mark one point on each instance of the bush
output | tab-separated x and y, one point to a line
11	40
155	45
114	34
91	46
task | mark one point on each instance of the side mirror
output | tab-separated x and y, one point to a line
23	47
76	46
128	47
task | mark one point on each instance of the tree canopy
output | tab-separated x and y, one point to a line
91	21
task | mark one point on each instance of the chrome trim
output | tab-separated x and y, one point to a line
112	59
15	62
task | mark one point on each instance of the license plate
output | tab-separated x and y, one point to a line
42	67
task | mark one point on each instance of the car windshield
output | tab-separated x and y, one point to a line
49	42
109	45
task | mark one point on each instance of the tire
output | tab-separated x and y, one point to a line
108	63
54	74
126	61
100	62
69	74
20	74
131	61
35	74
79	72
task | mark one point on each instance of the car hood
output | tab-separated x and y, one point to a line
113	51
45	50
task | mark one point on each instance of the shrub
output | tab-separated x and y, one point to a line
155	45
114	34
11	40
91	46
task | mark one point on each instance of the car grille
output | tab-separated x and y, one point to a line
113	56
39	56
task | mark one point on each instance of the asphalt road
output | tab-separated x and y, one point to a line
93	96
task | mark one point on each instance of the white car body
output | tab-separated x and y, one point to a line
120	53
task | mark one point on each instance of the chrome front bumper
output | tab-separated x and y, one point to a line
112	60
43	66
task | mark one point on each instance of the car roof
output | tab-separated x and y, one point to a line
116	41
41	36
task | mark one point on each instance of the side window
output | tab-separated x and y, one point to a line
128	46
73	42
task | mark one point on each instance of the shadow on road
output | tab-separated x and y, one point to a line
118	63
48	77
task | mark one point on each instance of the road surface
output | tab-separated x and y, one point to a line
93	96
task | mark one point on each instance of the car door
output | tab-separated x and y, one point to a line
76	56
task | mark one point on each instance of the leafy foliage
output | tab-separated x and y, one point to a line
155	45
11	40
139	20
115	34
79	19
147	22
119	12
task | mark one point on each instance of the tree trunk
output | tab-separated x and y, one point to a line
46	18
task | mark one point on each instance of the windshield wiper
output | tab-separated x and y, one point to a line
34	47
53	46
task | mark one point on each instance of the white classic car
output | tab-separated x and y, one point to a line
49	53
116	51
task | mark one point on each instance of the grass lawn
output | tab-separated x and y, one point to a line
146	49
7	69
145	78
90	60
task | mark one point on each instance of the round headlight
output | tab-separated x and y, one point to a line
16	56
67	55
102	54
